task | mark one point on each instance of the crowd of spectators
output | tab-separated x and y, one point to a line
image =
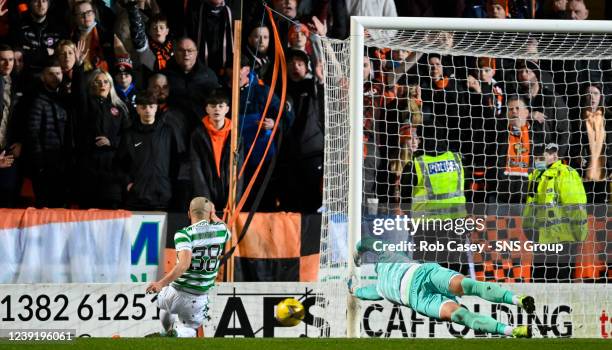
498	113
126	103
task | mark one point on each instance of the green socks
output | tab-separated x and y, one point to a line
478	322
487	290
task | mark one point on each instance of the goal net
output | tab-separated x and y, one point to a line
505	98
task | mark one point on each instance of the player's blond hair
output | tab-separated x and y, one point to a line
201	208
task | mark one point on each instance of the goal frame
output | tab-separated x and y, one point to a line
357	43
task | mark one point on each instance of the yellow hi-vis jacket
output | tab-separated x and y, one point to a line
439	191
556	205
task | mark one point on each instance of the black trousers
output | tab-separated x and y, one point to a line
50	182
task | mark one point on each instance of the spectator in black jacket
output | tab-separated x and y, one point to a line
486	100
546	106
288	9
66	54
301	162
444	102
209	25
189	80
210	153
147	155
101	118
181	193
37	34
158	85
46	142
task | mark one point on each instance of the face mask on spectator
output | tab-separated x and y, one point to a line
540	165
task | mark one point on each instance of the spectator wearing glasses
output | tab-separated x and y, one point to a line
511	157
100	42
189	79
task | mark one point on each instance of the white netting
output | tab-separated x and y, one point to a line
543	46
464	83
335	183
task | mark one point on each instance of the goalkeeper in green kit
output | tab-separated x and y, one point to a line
432	290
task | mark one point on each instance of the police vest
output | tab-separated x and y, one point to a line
556	205
439	191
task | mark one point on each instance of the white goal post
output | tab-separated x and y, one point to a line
344	159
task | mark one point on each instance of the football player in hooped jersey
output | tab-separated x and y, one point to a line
183	291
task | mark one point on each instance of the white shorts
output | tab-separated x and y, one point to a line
190	308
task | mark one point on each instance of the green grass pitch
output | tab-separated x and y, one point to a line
315	344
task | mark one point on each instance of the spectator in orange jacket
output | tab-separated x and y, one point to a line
210	152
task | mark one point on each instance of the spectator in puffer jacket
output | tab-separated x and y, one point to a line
47	141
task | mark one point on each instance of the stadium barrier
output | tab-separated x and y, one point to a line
62	246
53	245
247	310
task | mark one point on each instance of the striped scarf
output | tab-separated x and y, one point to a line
518	151
163	53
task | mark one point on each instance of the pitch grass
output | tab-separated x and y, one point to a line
315	344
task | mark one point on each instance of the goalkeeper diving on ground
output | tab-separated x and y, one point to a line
432	290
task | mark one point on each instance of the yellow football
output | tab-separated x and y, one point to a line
289	312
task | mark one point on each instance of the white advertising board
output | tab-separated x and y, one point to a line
247	310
